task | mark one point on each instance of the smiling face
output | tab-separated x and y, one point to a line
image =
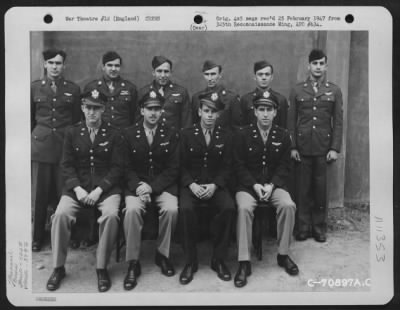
212	77
151	115
162	74
318	68
111	69
54	67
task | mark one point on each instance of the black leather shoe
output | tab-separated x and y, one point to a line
134	271
36	246
163	262
319	237
221	269
55	279
103	280
186	275
286	262
302	235
242	273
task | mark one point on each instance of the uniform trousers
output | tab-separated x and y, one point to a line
133	223
311	193
46	189
285	218
65	216
221	225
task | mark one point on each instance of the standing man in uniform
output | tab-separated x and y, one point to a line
92	166
121	94
230	116
263	75
205	169
152	175
176	111
262	161
54	106
315	122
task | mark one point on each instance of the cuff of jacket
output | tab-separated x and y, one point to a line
72	183
278	182
187	181
105	185
220	182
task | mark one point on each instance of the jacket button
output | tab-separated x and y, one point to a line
91	157
314	108
54	129
314	118
150	153
91	151
92	164
313	127
315	99
54	99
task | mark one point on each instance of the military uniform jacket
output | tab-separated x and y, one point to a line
90	165
230	116
256	162
51	114
176	110
156	165
121	104
204	164
315	120
247	108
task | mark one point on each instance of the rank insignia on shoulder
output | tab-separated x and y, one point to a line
276	143
164	143
218	146
67	94
176	95
224	92
328	93
103	144
124	92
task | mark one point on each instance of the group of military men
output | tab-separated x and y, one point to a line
156	147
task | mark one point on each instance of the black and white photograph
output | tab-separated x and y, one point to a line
228	158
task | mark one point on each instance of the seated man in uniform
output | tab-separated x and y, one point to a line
92	166
262	161
206	163
152	153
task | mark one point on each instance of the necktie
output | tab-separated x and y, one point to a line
150	137
264	135
161	91
207	136
92	134
53	86
111	87
315	87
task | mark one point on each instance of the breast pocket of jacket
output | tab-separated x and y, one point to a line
304	99
125	99
40	100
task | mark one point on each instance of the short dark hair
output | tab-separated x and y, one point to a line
316	54
52	52
110	56
261	65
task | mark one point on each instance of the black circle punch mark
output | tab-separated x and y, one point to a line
48	19
349	18
198	19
